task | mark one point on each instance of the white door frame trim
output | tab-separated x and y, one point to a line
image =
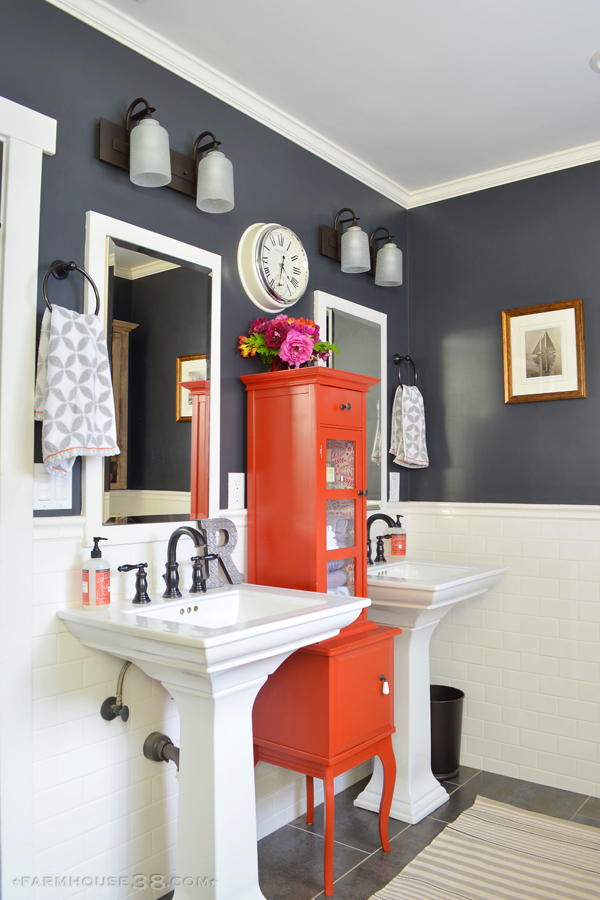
25	135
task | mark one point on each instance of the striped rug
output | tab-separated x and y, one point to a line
498	852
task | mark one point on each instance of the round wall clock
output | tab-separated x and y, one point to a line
272	265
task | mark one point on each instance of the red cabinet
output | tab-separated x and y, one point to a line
329	706
199	475
307	479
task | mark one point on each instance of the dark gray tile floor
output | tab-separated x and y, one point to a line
290	860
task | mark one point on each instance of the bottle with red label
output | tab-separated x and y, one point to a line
96	579
398	539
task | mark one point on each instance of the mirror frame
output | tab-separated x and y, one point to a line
99	228
323	302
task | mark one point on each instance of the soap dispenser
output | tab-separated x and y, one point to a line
96	579
398	539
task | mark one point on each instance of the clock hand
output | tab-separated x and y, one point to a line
281	269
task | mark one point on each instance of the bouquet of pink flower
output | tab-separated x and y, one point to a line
283	340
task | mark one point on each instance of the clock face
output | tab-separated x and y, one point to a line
282	264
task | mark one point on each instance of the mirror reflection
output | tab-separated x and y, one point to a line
359	342
158	330
361	335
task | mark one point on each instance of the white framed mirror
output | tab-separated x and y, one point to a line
147	281
361	335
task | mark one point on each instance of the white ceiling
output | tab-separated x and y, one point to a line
408	95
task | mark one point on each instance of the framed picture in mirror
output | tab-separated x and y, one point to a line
189	368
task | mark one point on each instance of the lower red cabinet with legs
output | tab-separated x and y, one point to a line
326	710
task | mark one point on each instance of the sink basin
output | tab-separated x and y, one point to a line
216	630
213	652
233	609
426	584
415	595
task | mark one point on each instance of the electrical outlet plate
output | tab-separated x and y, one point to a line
51	491
394	487
236	490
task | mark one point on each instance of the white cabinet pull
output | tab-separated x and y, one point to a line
385	687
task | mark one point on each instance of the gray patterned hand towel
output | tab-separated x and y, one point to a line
73	392
408	429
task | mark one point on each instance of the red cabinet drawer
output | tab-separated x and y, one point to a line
332	408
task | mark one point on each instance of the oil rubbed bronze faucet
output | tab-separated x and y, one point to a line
390	523
171	575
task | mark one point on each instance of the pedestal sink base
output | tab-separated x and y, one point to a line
213	653
417	792
415	595
408	809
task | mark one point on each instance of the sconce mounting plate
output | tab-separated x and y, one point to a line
329	242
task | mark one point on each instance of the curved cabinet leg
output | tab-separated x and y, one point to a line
310	800
329	830
385	752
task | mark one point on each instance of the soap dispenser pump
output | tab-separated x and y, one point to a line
96	579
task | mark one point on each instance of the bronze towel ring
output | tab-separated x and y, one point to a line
398	360
60	270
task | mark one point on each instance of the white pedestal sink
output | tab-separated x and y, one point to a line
213	652
415	595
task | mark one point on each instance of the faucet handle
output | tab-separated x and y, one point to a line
198	579
141	581
379	556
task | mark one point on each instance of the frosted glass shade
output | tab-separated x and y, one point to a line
149	159
214	193
355	250
388	268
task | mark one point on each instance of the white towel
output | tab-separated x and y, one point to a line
73	392
376	451
408	429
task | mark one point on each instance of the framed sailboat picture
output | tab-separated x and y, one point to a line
544	352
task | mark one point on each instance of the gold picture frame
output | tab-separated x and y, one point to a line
544	352
189	368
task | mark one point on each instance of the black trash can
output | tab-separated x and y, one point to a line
446	727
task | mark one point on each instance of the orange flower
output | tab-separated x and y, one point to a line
245	347
304	321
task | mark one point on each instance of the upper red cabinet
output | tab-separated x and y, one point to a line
307	479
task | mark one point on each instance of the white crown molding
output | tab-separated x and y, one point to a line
152	268
530	168
126	31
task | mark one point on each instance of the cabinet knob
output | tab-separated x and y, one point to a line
362	493
385	688
345	406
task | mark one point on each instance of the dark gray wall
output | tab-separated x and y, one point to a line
53	63
522	244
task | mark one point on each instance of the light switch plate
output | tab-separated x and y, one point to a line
51	491
236	490
394	487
